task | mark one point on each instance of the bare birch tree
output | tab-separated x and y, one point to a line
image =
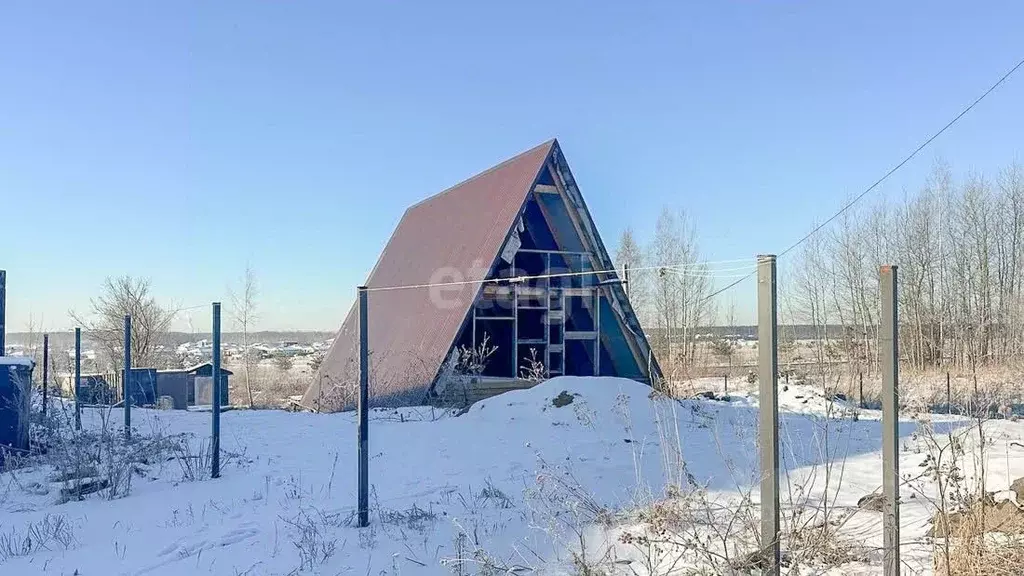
243	304
629	253
681	288
960	248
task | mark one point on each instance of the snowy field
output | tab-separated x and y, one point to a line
515	485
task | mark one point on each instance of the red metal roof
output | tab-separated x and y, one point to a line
452	236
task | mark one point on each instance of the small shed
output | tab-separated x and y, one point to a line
203	392
104	389
15	393
142	390
176	384
192	386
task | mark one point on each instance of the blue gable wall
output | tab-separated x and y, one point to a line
548	225
620	359
561	223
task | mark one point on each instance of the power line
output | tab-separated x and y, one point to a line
884	177
679	269
907	159
717	292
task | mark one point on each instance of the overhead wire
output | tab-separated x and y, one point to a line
910	157
708	269
675	268
885	176
705	269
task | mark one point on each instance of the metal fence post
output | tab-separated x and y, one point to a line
78	378
949	396
364	381
46	368
725	383
126	383
215	421
768	373
889	340
3	312
625	276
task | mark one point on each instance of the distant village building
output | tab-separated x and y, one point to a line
552	304
192	386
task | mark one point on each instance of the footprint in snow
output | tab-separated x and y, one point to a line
181	548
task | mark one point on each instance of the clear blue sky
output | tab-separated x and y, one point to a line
179	140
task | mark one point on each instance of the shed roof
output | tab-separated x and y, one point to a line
452	236
201	367
207	367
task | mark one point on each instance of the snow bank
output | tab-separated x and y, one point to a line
443	487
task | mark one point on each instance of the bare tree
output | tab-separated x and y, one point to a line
681	288
629	253
243	303
960	248
121	296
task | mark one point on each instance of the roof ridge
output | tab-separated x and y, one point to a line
550	142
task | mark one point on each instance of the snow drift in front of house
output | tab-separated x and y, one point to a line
445	489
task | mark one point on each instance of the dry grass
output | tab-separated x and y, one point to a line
99	459
972	534
987	540
52	532
999	390
271	386
313	536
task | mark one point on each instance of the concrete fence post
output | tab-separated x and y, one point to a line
768	374
889	342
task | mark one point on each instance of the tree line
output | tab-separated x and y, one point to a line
958	245
671	300
959	248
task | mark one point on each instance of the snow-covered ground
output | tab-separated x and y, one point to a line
505	486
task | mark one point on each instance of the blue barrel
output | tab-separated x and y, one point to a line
15	393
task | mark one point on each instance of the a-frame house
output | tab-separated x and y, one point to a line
499	245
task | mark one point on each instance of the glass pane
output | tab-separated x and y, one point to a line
589	279
531	324
560	265
575	262
555	359
579	313
555	333
579	359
